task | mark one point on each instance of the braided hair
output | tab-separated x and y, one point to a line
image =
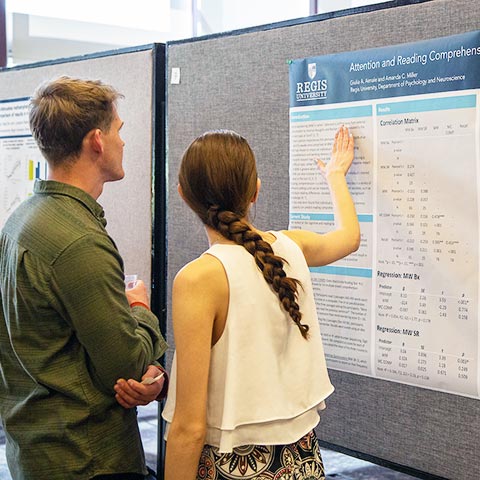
218	177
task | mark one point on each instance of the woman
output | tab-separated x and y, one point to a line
249	374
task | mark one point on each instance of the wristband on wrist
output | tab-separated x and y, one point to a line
139	304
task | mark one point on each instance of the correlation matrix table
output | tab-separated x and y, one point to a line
427	243
405	306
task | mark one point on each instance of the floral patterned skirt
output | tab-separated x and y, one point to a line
297	461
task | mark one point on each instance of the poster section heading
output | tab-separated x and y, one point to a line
432	66
14	118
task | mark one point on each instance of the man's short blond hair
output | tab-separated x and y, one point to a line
64	110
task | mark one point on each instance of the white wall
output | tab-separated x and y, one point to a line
38	31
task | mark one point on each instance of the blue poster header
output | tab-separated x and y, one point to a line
439	65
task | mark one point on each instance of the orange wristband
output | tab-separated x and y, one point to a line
139	304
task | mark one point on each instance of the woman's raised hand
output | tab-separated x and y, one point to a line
342	153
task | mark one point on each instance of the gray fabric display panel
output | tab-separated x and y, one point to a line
240	81
127	203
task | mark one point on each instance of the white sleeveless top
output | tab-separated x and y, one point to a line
266	382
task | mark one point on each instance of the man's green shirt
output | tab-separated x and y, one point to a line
67	333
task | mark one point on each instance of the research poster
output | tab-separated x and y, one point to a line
21	161
405	306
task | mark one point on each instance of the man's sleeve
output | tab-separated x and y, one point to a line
87	281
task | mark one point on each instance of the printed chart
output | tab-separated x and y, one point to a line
21	161
404	307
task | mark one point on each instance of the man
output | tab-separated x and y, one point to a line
68	329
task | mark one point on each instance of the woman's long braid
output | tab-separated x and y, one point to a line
233	228
218	179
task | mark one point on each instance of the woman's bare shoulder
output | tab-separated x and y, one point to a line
204	268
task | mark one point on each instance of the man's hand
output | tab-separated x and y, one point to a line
138	295
131	393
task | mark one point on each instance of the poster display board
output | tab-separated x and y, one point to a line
404	307
135	210
422	431
128	204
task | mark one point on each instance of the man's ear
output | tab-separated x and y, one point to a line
259	184
94	141
180	192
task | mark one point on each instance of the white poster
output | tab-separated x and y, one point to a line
404	307
21	161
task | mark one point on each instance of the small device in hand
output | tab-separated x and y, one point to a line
150	380
130	281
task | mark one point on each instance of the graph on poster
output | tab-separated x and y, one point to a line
21	161
405	306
